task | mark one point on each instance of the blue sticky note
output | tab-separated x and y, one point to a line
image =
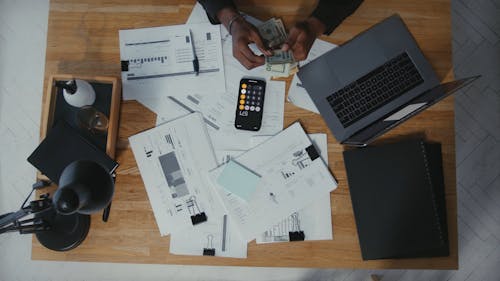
238	180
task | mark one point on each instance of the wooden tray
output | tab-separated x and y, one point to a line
108	97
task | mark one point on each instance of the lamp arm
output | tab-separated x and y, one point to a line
12	221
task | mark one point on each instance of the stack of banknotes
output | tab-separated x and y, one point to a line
281	63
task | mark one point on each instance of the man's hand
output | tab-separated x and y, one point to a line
302	36
243	33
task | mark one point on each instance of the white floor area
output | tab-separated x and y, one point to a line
23	30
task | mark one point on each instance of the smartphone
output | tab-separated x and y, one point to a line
250	104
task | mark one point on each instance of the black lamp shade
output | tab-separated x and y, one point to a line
85	187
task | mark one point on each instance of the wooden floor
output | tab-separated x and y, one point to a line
476	50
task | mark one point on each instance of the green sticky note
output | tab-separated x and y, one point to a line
238	180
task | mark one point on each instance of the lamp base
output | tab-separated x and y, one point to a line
66	232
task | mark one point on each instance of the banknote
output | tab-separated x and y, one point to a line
281	63
273	33
280	57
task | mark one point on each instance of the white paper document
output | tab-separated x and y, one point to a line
198	15
219	111
158	61
157	52
216	237
173	159
166	106
296	93
292	177
314	220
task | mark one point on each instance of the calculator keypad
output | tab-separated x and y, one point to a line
251	97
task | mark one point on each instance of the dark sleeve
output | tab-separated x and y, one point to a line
214	6
333	12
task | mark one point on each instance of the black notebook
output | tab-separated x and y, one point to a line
397	193
63	145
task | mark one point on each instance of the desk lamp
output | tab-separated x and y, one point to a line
62	223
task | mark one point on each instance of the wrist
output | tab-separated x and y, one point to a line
316	26
226	14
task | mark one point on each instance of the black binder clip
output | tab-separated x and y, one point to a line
296	234
197	216
124	64
209	250
312	152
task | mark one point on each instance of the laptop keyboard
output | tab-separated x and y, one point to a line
375	89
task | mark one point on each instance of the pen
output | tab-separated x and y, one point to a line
196	63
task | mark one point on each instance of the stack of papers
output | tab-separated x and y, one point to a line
212	187
292	176
173	159
315	219
266	193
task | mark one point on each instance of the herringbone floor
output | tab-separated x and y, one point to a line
476	50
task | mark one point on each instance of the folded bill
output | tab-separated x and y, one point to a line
282	70
273	33
280	57
281	63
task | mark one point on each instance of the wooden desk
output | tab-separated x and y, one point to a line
83	40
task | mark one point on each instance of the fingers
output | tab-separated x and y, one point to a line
301	48
244	34
299	41
257	60
255	37
245	56
292	38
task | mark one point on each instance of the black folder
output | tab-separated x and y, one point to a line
397	193
63	145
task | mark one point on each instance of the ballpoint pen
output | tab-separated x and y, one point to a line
196	63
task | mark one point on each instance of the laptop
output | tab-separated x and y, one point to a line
373	83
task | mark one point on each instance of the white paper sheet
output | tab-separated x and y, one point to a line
198	15
296	93
314	220
157	52
223	156
173	159
167	107
219	235
290	181
149	49
219	112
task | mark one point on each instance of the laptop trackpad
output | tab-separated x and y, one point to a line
357	59
404	111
